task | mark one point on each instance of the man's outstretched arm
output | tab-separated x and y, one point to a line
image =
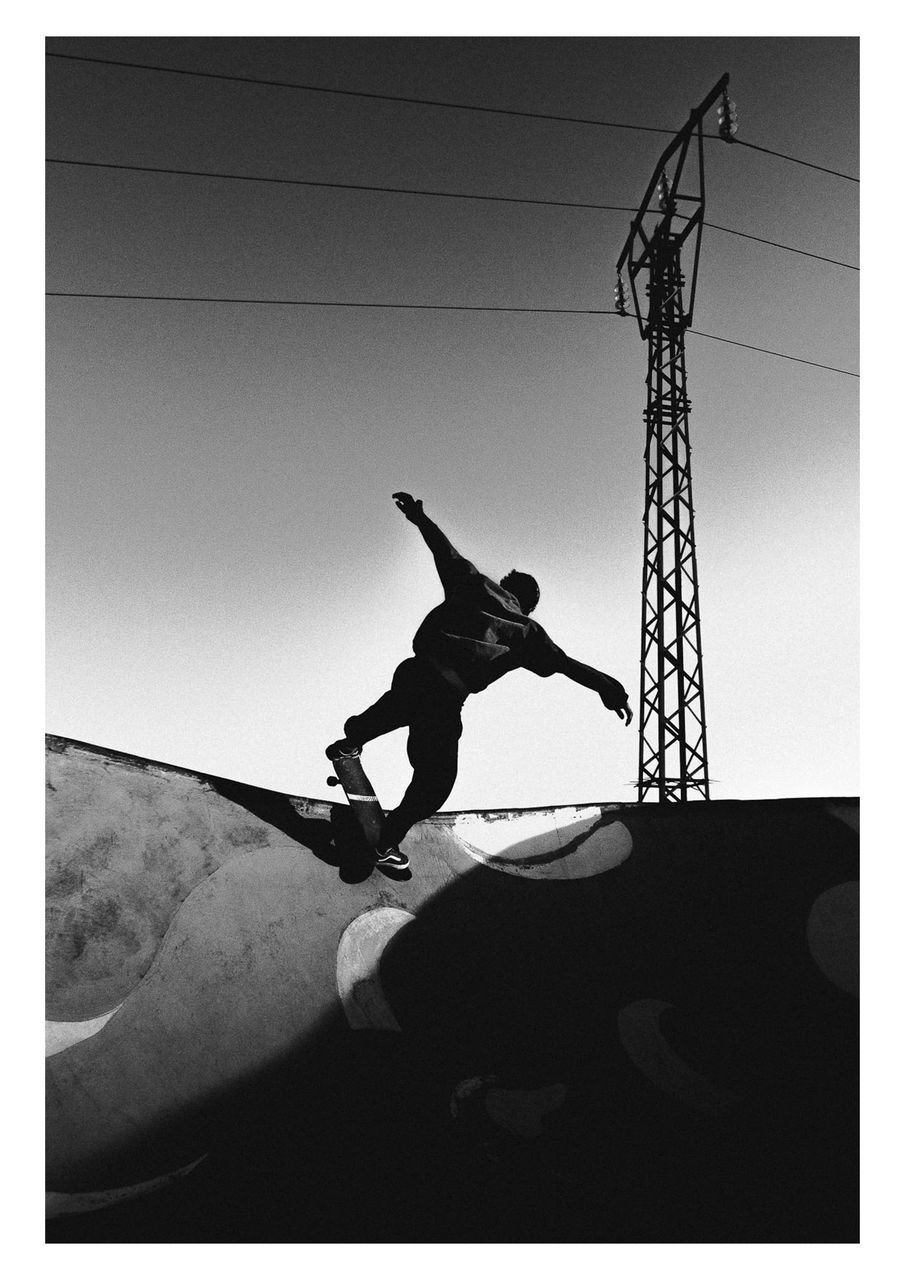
611	692
451	565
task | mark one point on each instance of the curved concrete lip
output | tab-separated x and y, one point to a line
358	967
645	1044
833	935
572	843
62	1035
58	1203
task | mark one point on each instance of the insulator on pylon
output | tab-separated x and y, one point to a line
663	191
619	295
727	118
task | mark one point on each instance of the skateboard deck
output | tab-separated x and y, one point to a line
350	775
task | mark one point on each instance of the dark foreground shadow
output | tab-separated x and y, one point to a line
511	1108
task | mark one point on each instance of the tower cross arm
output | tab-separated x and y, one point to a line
679	140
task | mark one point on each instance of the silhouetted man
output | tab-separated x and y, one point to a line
479	632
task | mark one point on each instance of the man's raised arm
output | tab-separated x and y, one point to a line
611	692
452	567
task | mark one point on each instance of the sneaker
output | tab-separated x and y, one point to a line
391	860
342	749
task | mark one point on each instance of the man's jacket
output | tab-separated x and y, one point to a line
479	633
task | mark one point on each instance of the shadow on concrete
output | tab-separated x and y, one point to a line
517	984
337	841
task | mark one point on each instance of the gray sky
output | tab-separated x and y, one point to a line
227	575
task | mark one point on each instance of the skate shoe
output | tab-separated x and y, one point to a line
342	749
392	862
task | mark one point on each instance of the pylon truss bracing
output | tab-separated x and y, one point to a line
672	735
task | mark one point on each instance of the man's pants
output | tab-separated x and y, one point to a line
420	698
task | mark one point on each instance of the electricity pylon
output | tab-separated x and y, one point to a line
672	758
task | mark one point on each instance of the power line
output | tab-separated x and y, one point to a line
417	191
296	302
343	186
740	142
416	306
781	354
360	93
776	245
426	102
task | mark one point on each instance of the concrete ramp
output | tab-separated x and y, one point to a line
595	1022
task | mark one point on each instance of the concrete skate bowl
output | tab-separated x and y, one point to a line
590	1023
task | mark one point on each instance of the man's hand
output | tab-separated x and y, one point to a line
624	712
409	506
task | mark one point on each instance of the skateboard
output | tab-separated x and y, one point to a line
350	775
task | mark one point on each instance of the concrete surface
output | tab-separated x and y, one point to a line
589	1023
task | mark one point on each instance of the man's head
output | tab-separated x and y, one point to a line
524	588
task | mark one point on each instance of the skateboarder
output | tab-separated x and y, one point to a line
479	632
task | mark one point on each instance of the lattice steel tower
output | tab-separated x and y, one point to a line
672	759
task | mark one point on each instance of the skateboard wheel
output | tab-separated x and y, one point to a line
333	782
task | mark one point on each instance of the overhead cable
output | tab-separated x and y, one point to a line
416	306
715	226
767	352
304	302
342	186
740	142
361	93
424	102
419	191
